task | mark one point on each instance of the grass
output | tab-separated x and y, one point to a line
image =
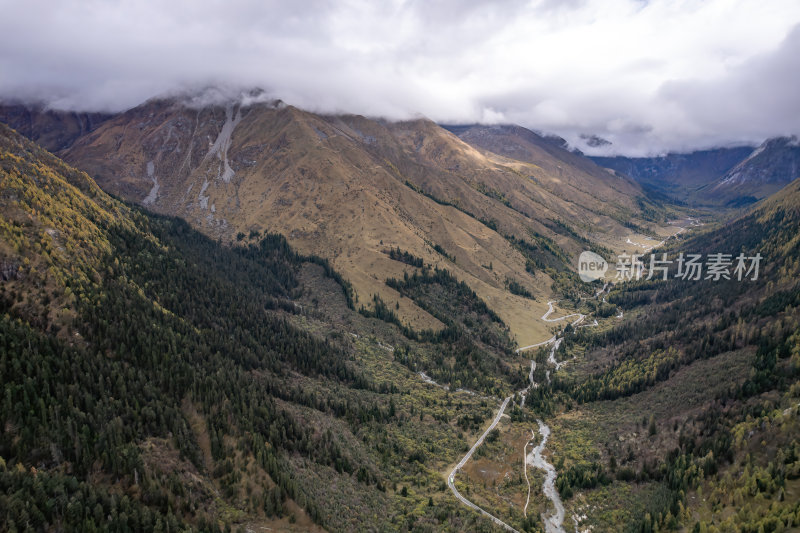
494	476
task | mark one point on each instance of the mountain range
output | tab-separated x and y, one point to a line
351	188
729	177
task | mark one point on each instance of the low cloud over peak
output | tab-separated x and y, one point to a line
647	76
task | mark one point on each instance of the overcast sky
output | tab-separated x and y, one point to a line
648	76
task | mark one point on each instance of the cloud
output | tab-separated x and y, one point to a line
647	76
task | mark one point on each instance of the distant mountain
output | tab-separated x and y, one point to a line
763	172
351	188
675	174
724	176
551	153
52	129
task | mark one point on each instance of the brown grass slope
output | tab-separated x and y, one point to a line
349	188
567	174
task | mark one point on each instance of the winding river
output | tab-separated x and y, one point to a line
553	521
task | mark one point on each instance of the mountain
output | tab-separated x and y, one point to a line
351	189
154	379
551	154
677	174
728	177
766	170
52	129
692	398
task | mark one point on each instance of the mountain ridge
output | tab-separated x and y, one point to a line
350	188
53	129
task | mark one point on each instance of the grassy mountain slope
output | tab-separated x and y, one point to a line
568	173
350	188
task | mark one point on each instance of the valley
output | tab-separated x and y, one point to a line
281	315
553	522
400	267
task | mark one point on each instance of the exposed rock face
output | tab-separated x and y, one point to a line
8	269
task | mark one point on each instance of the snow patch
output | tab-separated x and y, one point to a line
321	134
755	153
736	175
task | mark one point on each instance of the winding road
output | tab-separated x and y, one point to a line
452	477
546	318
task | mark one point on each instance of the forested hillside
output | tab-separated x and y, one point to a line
155	380
687	409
